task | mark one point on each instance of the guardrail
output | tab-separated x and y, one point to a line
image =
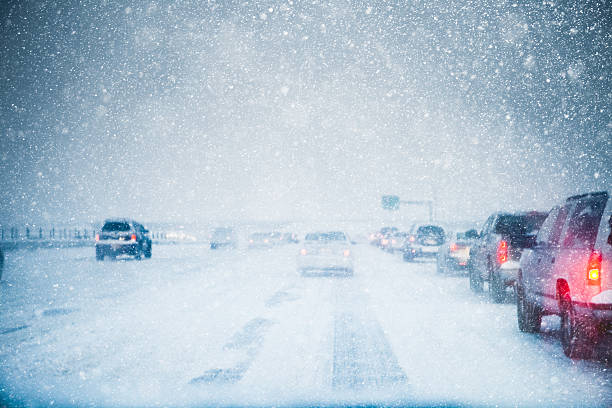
31	237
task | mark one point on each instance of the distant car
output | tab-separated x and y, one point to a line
424	241
568	272
223	237
495	256
454	254
384	237
326	252
289	238
123	237
265	239
395	241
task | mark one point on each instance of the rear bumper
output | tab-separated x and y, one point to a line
508	272
118	248
421	251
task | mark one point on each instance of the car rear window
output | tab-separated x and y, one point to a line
431	232
520	225
326	236
584	222
116	226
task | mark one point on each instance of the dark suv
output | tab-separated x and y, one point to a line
567	273
495	256
123	237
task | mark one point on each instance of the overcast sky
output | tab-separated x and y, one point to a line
282	110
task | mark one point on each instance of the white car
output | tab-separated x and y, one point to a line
326	252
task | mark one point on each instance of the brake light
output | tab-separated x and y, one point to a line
303	251
412	238
346	252
593	268
385	241
97	237
133	238
502	251
453	247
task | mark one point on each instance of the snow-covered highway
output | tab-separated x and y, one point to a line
195	326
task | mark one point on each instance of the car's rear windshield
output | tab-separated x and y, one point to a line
326	236
431	232
116	226
520	225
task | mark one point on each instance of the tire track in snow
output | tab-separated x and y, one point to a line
363	357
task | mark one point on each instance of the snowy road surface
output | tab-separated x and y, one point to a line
192	326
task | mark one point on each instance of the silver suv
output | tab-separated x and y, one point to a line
567	273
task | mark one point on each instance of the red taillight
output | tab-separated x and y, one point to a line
133	238
97	237
502	251
594	268
453	247
303	251
412	238
346	252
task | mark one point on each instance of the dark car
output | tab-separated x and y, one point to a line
495	257
454	254
424	241
123	237
567	273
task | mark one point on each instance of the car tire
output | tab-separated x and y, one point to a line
476	283
148	251
529	316
407	257
440	268
578	335
497	289
99	254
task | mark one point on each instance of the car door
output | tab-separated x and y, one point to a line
532	257
480	248
545	284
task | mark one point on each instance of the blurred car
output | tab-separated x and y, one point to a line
454	254
289	238
495	256
265	239
123	237
384	236
395	242
223	237
424	241
568	273
326	252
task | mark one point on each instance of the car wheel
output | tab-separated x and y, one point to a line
148	251
99	254
407	257
440	269
497	290
475	281
529	316
577	333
